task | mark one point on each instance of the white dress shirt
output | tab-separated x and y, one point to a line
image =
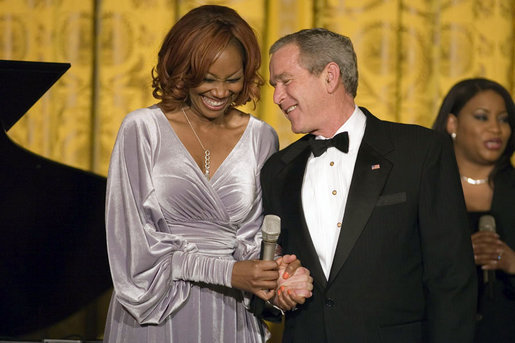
325	189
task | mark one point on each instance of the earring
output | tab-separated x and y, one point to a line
453	135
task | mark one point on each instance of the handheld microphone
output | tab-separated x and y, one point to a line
270	230
487	223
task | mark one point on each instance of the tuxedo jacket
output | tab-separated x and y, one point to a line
403	269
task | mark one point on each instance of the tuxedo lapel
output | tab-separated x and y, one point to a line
370	174
291	198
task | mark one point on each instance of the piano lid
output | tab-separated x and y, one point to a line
22	84
53	256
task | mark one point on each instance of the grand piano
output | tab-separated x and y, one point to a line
53	258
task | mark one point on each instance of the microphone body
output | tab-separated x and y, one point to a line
487	223
270	230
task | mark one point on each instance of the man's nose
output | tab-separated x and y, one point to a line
278	95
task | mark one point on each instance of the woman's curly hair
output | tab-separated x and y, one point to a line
192	45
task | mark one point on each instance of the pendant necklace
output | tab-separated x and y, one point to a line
472	181
207	153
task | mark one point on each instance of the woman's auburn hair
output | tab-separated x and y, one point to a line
192	45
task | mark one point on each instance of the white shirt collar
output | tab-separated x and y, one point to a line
355	126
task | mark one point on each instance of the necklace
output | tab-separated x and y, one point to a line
472	181
207	153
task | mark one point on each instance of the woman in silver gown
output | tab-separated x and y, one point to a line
183	208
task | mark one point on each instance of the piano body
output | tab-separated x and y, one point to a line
53	258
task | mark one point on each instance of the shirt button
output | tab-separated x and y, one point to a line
331	164
334	192
339	224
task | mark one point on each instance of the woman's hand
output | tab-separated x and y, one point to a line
491	253
256	276
294	284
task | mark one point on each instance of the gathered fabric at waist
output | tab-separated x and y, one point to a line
211	238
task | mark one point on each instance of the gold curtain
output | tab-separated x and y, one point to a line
409	54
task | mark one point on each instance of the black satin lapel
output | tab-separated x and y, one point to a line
369	177
300	239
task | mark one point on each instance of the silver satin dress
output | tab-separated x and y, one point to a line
173	236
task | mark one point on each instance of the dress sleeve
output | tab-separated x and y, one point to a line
139	247
249	233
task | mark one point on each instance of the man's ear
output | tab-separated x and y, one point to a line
452	124
332	76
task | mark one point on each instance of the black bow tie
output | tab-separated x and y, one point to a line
340	141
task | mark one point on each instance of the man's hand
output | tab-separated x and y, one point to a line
288	264
294	284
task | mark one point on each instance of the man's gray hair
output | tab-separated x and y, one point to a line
318	47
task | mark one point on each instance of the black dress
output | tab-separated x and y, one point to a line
496	305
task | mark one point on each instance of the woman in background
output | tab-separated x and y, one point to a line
183	208
479	116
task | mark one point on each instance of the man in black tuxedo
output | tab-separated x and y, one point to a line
376	214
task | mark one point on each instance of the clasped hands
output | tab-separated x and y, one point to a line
283	282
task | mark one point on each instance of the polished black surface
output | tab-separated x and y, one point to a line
53	258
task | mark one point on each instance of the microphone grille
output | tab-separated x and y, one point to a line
271	228
487	223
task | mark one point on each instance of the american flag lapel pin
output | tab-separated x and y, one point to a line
375	166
